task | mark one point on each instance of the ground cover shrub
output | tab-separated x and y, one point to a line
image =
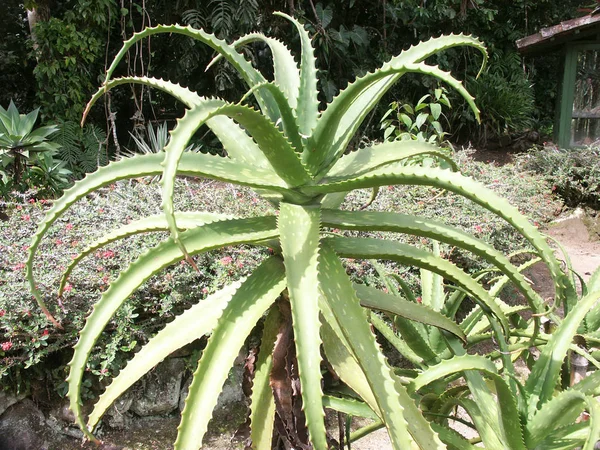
296	158
573	173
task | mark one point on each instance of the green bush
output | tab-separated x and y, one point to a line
574	174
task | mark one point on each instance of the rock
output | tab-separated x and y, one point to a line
7	400
160	392
23	427
232	392
62	413
118	415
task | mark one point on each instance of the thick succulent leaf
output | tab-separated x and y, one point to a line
420	226
192	324
158	222
340	121
287	115
452	439
452	366
369	158
246	307
564	410
399	413
349	406
465	187
235	140
262	404
344	363
308	104
209	237
299	235
590	385
509	415
375	299
567	438
592	319
274	145
250	75
369	248
287	76
541	383
192	164
402	343
186	96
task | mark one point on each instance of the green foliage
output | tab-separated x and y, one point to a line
295	157
82	149
574	174
27	154
420	122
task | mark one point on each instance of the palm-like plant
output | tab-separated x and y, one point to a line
295	157
19	142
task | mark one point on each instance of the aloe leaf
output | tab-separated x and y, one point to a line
308	104
453	439
398	410
544	375
284	63
209	237
349	406
299	234
566	438
401	344
420	226
235	141
465	187
250	75
369	158
262	405
185	220
374	299
248	304
563	410
451	366
186	96
192	324
589	385
287	116
275	146
340	121
344	363
192	164
369	248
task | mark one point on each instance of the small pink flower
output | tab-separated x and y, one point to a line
419	300
68	288
26	217
478	229
226	260
6	346
45	333
58	242
19	207
204	290
108	254
2	313
69	226
18	267
32	200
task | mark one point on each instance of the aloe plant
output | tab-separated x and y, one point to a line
296	157
526	418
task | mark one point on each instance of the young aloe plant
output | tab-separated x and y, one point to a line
295	156
526	416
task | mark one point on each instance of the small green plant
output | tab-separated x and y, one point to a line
420	122
295	157
83	149
20	143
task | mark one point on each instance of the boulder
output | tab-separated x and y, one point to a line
23	427
7	400
159	393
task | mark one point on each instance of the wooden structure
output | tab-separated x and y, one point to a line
578	110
